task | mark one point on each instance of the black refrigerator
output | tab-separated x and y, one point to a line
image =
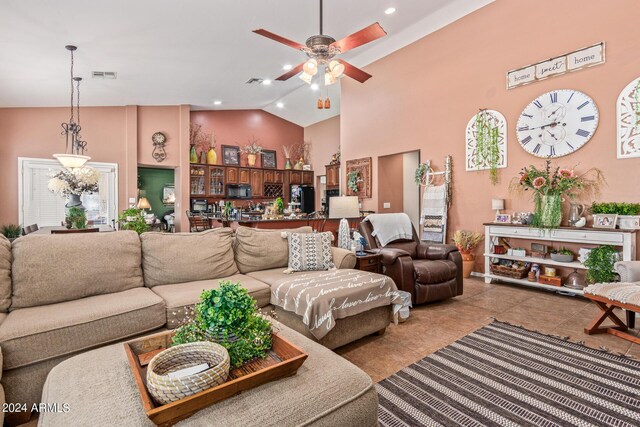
304	196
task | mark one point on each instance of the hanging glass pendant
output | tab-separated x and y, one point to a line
327	103
320	104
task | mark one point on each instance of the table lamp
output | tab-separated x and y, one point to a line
344	207
143	204
497	205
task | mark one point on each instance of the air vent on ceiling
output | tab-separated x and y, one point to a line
253	80
104	75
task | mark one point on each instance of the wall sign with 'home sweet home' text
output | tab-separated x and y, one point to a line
576	60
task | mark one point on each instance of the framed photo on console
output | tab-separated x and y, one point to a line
269	160
605	220
231	155
503	218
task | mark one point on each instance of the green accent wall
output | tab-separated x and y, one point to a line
151	183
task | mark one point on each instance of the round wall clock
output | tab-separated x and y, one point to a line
557	123
158	138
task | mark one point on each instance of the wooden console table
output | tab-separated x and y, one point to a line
626	239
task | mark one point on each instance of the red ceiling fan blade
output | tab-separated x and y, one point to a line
279	39
355	72
291	73
364	36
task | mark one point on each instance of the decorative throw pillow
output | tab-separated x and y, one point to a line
310	252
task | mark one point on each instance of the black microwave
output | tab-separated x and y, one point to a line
238	191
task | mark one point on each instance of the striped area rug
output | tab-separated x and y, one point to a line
505	375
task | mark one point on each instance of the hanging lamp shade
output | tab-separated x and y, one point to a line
337	69
72	160
311	67
329	79
306	78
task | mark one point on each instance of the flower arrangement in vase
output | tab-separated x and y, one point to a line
252	150
72	183
549	185
203	145
466	242
286	149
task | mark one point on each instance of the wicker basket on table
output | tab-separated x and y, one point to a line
519	272
166	390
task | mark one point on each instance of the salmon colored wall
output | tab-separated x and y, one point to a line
119	135
165	119
390	183
324	137
35	132
236	127
423	95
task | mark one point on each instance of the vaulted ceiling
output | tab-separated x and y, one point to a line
192	51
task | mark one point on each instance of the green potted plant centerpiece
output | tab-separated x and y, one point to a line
229	317
72	183
133	219
466	242
600	262
549	185
628	214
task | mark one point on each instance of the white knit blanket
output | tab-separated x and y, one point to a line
390	227
626	293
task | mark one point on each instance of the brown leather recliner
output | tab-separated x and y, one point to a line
429	271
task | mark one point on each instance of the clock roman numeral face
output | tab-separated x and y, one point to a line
557	123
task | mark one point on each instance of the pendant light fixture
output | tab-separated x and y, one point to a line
73	156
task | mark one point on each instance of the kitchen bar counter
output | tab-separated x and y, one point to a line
329	224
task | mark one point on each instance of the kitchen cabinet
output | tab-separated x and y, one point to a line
307	178
216	181
256	182
278	177
232	175
198	180
244	176
295	177
333	176
268	175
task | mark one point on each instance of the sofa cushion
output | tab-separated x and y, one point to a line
5	273
54	268
181	297
434	271
310	252
256	249
169	258
34	334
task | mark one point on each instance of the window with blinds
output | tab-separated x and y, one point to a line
40	206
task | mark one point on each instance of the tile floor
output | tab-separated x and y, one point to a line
433	326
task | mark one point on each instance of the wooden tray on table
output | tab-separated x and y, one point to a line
283	360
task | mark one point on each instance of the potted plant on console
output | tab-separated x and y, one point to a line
600	262
466	242
628	214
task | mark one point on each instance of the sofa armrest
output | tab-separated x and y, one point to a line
343	258
390	255
629	271
435	250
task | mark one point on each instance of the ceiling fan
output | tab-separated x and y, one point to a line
322	49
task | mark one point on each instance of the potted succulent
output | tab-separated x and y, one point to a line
562	255
466	242
11	231
252	150
628	213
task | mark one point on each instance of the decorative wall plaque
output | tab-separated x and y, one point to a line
363	167
573	61
628	119
474	162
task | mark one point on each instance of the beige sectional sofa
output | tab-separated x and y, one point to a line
61	295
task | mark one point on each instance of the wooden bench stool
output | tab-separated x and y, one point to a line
608	296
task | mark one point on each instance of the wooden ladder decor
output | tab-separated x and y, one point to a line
620	329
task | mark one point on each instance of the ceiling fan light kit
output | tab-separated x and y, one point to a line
321	50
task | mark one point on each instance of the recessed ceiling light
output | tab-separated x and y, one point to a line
280	105
390	10
266	82
314	86
287	67
217	102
